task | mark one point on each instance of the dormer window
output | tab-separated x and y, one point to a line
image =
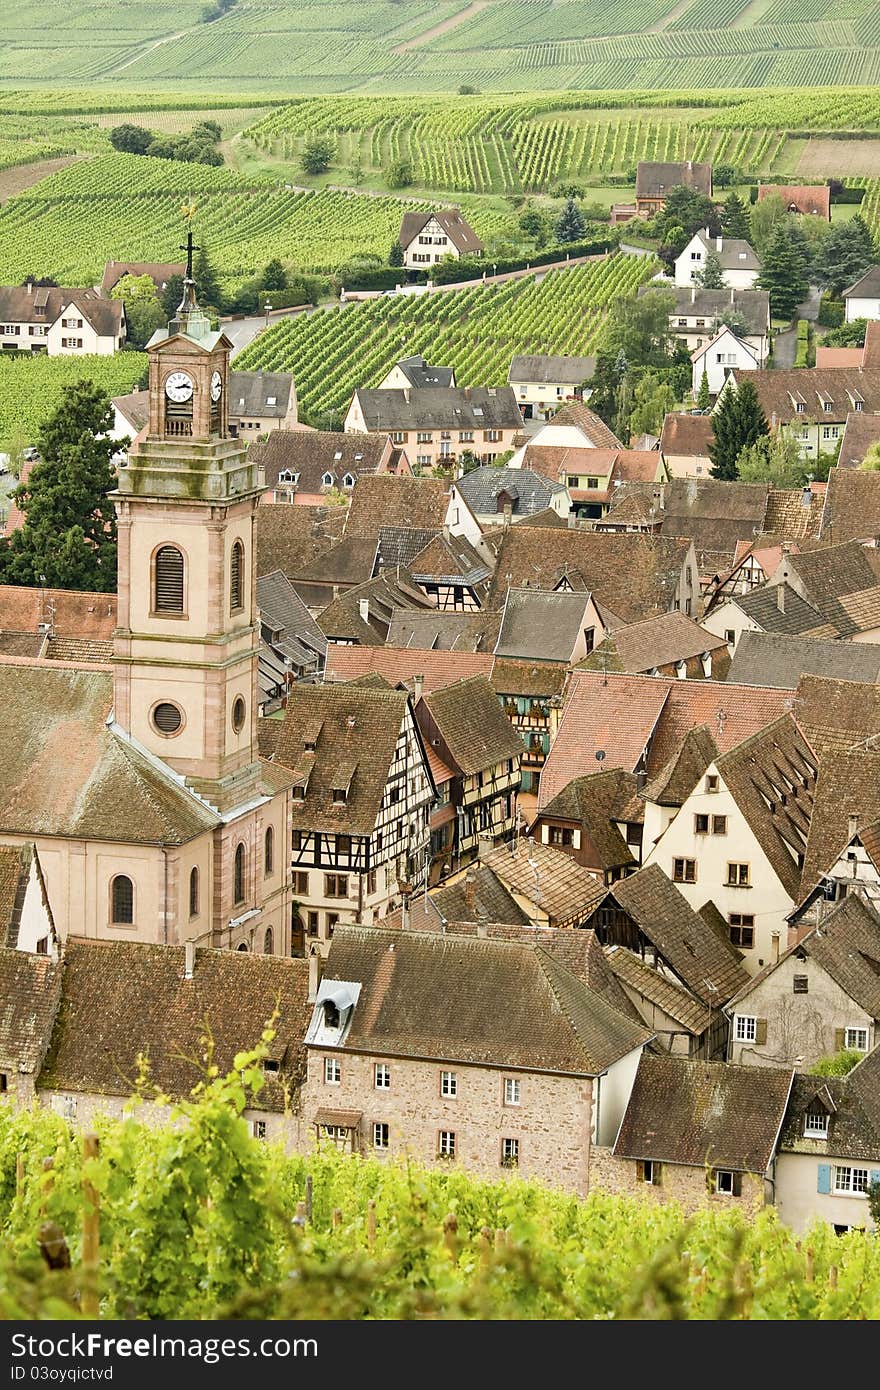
331	1014
816	1121
348	480
340	796
327	480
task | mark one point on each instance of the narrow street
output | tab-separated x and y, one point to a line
785	344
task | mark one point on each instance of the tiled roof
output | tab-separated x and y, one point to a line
418	372
591	425
135	408
146	1006
545	517
264	394
71	612
30	987
839	357
18	305
654	986
15	868
829	573
313	453
485	489
793	616
290	538
348	562
482	1001
23	643
386	500
655	179
837	714
159	271
848	785
387	594
769	658
79	649
655	642
67	774
543	678
554	882
674	783
854	1126
772	778
472	724
401	665
452	559
456	227
459	632
283	612
852	503
704	962
399	545
556	461
788	518
704	1114
596	803
541	625
804	198
635	576
439	408
780	390
478	896
867	286
353	724
567	371
687	436
734	253
752	306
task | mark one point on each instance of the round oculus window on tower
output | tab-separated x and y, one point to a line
238	714
167	718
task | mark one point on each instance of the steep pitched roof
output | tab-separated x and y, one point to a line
554	882
769	658
159	271
589	423
659	990
266	394
385	500
852	503
653	643
18	305
836	715
789	614
476	1000
780	391
686	435
146	1005
351	724
803	198
472	724
450	559
635	576
343	620
752	306
597	802
848	785
292	627
708	965
867	286
311	454
704	1114
541	625
456	227
403	665
674	783
526	491
418	372
291	538
854	1127
655	179
543	678
571	371
30	989
66	773
70	612
480	896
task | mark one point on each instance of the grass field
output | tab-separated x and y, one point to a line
412	45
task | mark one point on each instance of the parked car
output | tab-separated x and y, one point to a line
30	454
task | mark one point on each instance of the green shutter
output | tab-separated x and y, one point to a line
839	1039
824	1178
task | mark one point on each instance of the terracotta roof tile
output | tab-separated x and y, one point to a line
860	432
472	724
804	198
554	882
72	613
384	500
30	988
401	665
654	643
655	987
687	436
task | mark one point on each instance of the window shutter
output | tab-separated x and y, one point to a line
737	1184
839	1039
823	1183
760	1030
658	1174
874	1176
640	1170
169	580
236	584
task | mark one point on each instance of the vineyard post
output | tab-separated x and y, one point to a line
450	1233
48	1166
371	1223
19	1174
337	1218
309	1198
91	1234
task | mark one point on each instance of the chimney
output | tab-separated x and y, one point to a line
780	597
418	688
364	609
316	967
731	295
693	293
719	241
189	959
485	845
853	828
406	394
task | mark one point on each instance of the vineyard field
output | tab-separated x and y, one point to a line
477	331
32	387
197	1222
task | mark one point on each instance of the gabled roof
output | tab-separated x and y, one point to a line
17	305
803	198
554	882
655	179
860	432
160	272
30	989
867	286
526	492
541	625
351	724
705	963
135	409
837	715
674	783
146	1006
283	611
852	503
309	455
567	371
723	332
265	394
793	615
476	1000
597	803
704	1114
542	678
779	390
591	425
399	545
752	306
848	785
772	779
440	408
458	632
450	559
769	658
653	643
479	896
386	500
17	863
459	231
70	612
290	538
687	435
472	724
418	372
67	773
659	990
734	252
854	1128
343	621
403	665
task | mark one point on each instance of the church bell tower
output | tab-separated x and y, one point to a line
186	647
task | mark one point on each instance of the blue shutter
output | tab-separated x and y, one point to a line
824	1182
875	1175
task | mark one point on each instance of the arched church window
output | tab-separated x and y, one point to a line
236	578
168	580
122	900
269	943
269	851
193	892
238	883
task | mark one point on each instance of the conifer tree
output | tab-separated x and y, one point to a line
208	291
396	254
712	276
570	225
735	219
782	273
704	400
737	422
68	540
845	255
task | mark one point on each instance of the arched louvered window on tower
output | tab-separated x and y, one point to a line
236	577
168	585
238	887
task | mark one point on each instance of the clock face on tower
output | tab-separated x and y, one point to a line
216	387
179	387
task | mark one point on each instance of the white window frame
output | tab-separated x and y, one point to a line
332	1071
382	1076
509	1153
446	1143
448	1084
512	1091
818	1129
855	1046
722	1177
381	1135
745	1027
845	1178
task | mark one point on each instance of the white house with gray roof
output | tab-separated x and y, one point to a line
437	424
739	262
544	383
498	494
